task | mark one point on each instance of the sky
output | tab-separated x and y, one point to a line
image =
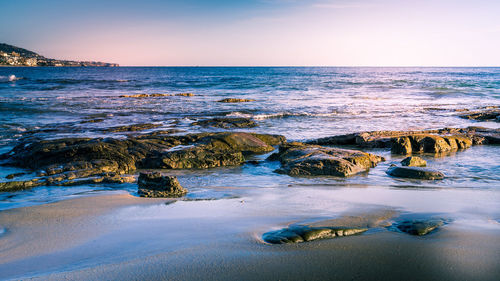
258	32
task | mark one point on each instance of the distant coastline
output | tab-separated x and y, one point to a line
15	56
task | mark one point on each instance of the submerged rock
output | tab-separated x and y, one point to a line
311	160
414	173
235	100
185	94
157	185
414	161
145	95
226	123
132	128
303	233
418	227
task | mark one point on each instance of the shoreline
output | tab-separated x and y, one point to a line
121	236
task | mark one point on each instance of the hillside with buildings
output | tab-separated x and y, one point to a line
15	56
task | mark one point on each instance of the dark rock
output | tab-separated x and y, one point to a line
483	115
132	128
418	227
414	173
414	161
311	160
234	100
303	233
73	160
157	185
98	120
11	176
185	94
227	123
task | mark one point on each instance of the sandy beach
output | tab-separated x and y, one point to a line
123	237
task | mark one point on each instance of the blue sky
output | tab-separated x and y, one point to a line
259	32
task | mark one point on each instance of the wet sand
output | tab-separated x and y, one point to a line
122	237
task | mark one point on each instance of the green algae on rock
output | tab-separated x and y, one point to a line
303	233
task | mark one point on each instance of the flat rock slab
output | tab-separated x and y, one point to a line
299	159
303	233
414	173
418	227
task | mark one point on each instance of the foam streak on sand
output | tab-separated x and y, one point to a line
118	237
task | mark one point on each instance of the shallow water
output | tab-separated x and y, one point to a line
300	103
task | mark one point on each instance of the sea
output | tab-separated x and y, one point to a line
301	103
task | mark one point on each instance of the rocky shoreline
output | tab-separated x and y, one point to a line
77	161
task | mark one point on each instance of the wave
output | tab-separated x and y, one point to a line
71	81
263	116
10	78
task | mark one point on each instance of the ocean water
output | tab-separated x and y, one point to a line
298	102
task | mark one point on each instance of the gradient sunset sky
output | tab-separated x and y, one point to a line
258	32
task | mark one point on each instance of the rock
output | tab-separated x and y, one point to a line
97	120
303	233
415	173
157	185
11	176
407	142
19	185
132	128
144	95
414	161
226	123
483	115
72	161
196	158
418	227
312	160
235	100
185	94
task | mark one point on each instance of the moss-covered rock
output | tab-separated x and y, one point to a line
304	233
